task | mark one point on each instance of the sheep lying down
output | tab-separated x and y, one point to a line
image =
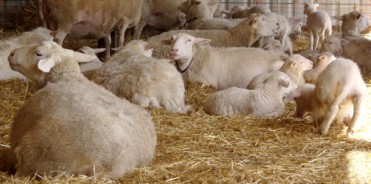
72	126
263	102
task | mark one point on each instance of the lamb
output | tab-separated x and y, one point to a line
241	12
244	34
72	126
318	23
337	87
133	74
322	61
294	66
295	27
264	102
306	102
219	67
98	18
199	18
332	44
7	45
353	23
359	50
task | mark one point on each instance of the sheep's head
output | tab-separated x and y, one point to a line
298	63
259	25
139	47
35	60
182	45
332	44
310	8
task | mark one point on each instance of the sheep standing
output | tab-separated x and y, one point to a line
318	24
244	34
98	18
322	61
339	82
133	74
263	102
295	27
220	67
72	126
7	45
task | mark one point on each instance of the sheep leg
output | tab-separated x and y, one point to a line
311	40
138	29
357	103
315	41
329	117
107	43
322	37
59	37
122	33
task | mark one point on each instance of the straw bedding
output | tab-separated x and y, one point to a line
198	148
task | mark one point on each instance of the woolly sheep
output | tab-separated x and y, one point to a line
198	17
241	12
98	18
322	61
332	44
318	23
244	34
306	102
263	102
208	65
7	45
339	83
143	80
295	27
359	50
353	23
72	126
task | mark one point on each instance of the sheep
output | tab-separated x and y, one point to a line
359	50
241	12
7	45
332	44
72	126
353	23
322	61
98	18
264	102
318	24
219	67
199	18
295	27
141	79
273	45
244	34
306	102
294	66
339	85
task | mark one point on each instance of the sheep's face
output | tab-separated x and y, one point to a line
332	44
29	59
352	23
299	63
182	45
310	8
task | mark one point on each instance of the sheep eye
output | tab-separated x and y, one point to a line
38	53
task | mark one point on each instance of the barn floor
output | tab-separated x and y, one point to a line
198	148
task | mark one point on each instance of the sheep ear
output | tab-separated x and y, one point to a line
293	64
83	58
321	58
284	83
46	64
99	50
166	42
202	41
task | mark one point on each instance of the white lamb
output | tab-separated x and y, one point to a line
353	23
220	67
295	27
6	46
133	74
338	86
263	102
244	34
318	23
322	61
72	126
